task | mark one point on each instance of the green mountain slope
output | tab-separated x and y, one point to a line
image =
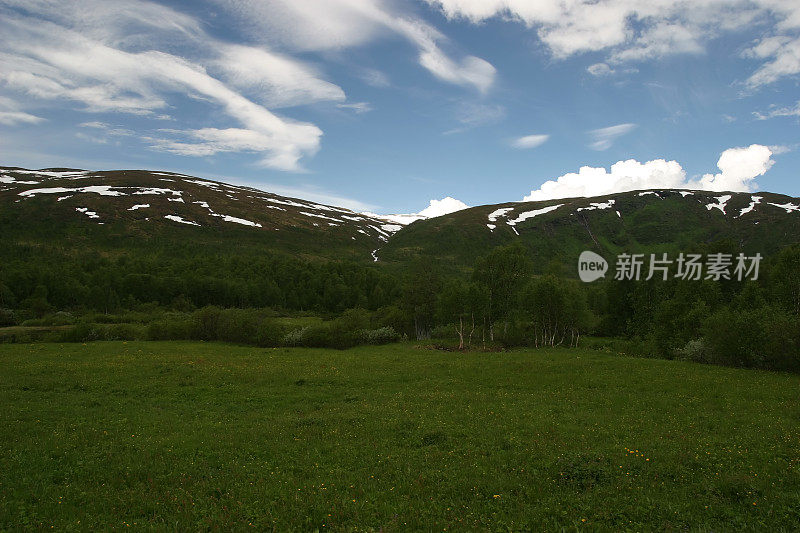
642	221
122	210
132	208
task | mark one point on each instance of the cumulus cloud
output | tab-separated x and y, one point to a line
445	206
603	138
738	168
436	208
529	141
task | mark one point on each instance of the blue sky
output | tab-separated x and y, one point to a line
386	105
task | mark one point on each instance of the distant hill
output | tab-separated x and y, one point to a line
641	221
120	210
87	208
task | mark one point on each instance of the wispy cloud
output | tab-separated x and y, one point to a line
637	31
357	107
310	25
48	61
10	114
603	138
474	114
529	141
779	112
374	78
273	79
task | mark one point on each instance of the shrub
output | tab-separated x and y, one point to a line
695	350
169	329
327	335
7	318
295	337
763	337
205	323
125	332
383	335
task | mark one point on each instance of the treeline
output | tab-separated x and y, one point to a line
753	323
36	284
749	324
500	302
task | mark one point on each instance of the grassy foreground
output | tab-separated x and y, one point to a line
192	435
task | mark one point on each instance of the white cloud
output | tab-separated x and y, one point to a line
445	206
436	208
475	114
529	141
374	78
311	25
11	118
778	149
470	71
357	107
47	61
738	169
11	115
663	39
635	31
308	25
603	138
600	69
273	79
783	54
779	112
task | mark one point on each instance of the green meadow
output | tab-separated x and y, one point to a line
180	435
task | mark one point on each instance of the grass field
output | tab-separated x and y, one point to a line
211	436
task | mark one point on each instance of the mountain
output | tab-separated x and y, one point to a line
131	209
138	206
640	221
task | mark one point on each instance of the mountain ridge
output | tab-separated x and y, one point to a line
150	204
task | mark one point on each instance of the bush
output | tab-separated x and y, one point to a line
7	318
295	337
763	337
695	350
327	335
169	329
125	332
86	332
383	335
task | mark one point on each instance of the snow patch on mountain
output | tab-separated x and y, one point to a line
530	214
176	218
754	201
788	207
721	201
599	205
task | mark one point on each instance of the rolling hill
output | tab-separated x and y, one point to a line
117	210
134	206
640	221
